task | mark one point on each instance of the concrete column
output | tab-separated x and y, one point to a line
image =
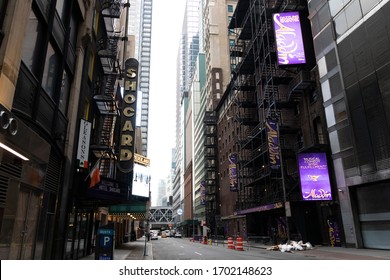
14	27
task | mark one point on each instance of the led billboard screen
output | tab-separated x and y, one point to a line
141	180
314	176
289	42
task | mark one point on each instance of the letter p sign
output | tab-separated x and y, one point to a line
106	241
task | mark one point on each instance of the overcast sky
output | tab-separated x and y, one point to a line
167	23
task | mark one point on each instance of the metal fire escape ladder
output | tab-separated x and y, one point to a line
105	96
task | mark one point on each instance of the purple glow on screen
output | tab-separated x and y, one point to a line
313	171
289	41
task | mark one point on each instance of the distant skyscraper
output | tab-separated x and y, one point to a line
140	25
188	52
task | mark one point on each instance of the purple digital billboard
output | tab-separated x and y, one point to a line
289	42
233	172
314	175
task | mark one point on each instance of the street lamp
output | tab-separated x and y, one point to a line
147	231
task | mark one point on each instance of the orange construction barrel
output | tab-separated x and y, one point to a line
239	245
230	243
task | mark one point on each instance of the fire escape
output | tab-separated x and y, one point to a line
262	90
211	167
106	93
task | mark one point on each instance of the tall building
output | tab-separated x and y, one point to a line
39	100
217	46
140	26
351	42
66	162
187	55
270	116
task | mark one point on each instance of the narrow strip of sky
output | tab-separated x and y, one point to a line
166	29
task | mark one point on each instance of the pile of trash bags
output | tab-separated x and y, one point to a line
291	246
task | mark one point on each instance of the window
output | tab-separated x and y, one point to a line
91	64
230	8
33	43
60	7
50	71
64	93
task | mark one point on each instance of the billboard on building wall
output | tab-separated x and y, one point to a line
233	172
314	176
288	35
141	180
273	143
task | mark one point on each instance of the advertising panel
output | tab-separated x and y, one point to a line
273	144
314	176
83	145
288	35
233	172
141	180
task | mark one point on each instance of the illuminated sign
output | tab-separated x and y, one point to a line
141	160
289	42
314	175
129	108
141	180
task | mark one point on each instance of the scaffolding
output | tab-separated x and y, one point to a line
261	91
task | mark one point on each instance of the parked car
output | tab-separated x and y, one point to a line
177	235
154	235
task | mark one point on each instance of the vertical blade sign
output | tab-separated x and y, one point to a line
129	108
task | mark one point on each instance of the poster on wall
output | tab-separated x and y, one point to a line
288	34
314	176
233	172
273	143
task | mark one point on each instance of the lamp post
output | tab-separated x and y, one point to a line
147	231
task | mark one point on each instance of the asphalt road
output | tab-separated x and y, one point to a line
183	249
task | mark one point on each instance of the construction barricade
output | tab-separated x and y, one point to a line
230	243
239	244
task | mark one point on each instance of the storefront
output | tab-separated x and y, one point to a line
25	206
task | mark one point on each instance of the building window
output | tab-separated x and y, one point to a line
230	8
64	93
91	65
33	43
50	71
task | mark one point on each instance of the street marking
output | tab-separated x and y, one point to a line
198	253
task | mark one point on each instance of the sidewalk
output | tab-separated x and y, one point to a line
341	253
134	250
